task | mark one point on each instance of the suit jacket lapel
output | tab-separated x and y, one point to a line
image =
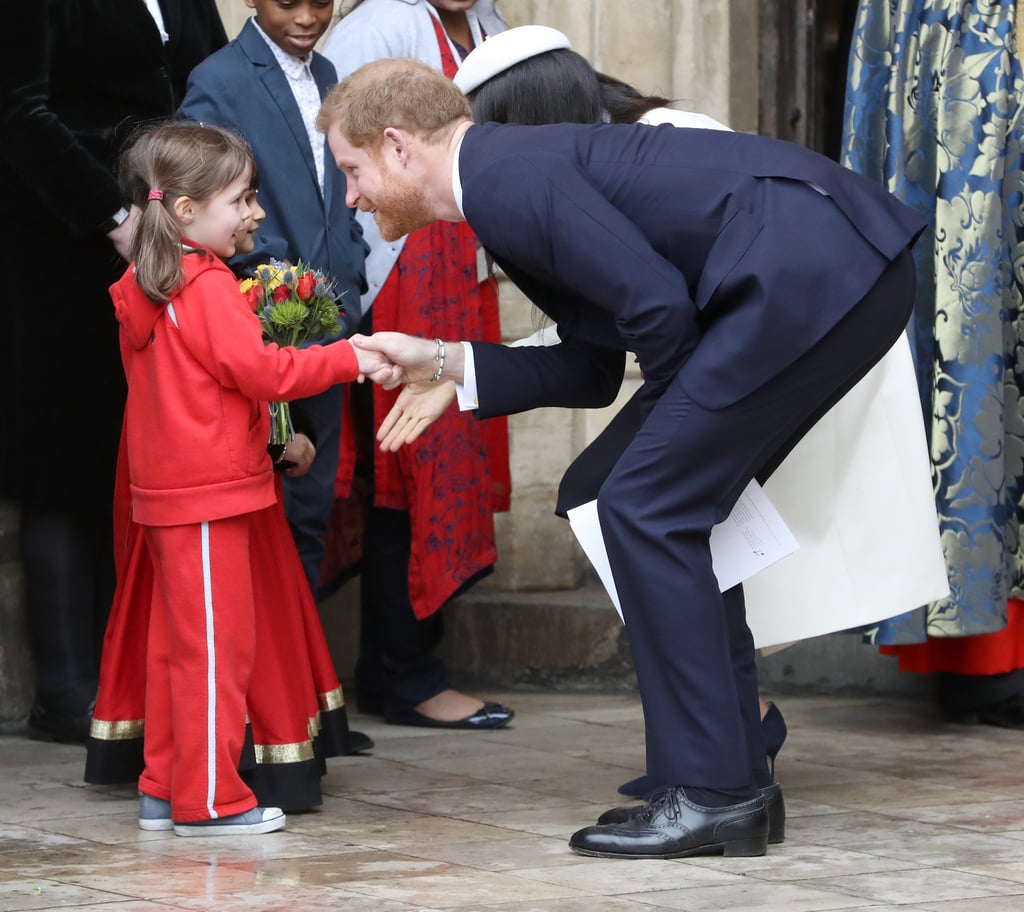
276	84
172	21
325	84
148	33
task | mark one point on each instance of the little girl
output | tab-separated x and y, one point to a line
296	707
196	431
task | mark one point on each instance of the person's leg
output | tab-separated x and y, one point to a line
398	646
680	476
202	572
309	498
67	561
158	736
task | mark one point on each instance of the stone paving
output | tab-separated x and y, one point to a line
889	809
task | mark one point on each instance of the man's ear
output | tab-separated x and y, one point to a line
396	145
184	209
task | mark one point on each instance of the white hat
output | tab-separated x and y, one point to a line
499	52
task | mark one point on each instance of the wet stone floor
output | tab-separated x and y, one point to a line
889	809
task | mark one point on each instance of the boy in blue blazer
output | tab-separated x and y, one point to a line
755	281
267	85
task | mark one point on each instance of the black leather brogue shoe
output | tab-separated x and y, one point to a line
672	826
773	802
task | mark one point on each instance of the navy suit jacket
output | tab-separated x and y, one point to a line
720	257
242	88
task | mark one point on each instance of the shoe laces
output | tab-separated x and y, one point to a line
662	801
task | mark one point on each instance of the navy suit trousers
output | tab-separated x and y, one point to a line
681	474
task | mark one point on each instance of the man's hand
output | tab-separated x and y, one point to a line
416	358
418	406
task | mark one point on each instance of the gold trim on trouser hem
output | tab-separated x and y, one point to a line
333	699
284	753
116	731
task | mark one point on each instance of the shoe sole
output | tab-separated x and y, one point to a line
231	829
156	825
736	848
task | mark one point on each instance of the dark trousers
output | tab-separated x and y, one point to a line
308	500
397	667
681	474
68	565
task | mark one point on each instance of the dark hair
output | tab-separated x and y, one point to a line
623	103
557	86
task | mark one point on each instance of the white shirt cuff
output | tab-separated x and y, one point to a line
466	391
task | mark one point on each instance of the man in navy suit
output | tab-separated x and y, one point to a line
754	280
267	85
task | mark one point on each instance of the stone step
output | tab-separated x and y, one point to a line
573	640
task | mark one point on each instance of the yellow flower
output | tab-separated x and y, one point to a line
269	276
246	284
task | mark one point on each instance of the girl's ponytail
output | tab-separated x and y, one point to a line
156	250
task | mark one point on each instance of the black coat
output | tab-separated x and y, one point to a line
76	78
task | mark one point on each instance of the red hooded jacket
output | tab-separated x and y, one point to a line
199	379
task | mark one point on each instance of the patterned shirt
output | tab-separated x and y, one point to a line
307	97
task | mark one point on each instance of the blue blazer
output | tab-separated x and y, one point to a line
242	88
719	257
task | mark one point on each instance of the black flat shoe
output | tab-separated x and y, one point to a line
359	742
1008	713
490	715
773	802
672	826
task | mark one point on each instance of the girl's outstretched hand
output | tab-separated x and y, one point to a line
418	406
375	366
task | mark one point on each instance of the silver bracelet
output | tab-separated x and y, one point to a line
439	358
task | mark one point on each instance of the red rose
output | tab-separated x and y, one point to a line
281	293
305	287
254	296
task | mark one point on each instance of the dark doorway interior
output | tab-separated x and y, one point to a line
802	61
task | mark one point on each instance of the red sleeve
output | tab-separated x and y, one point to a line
224	335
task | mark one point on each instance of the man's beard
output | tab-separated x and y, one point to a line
401	207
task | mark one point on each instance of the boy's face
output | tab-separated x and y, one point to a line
295	26
452	6
245	238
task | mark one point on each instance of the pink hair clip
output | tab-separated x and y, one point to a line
156	195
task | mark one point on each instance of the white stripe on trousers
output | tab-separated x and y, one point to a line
211	676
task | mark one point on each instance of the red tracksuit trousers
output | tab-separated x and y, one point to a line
199	662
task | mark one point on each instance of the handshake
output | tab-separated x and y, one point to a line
429	368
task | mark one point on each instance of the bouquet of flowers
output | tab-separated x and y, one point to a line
295	305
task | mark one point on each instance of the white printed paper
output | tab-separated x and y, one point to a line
752	538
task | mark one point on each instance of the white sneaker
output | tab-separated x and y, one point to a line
248	823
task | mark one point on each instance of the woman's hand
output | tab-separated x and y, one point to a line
121	236
418	406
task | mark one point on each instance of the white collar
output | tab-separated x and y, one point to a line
158	17
456	177
294	67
